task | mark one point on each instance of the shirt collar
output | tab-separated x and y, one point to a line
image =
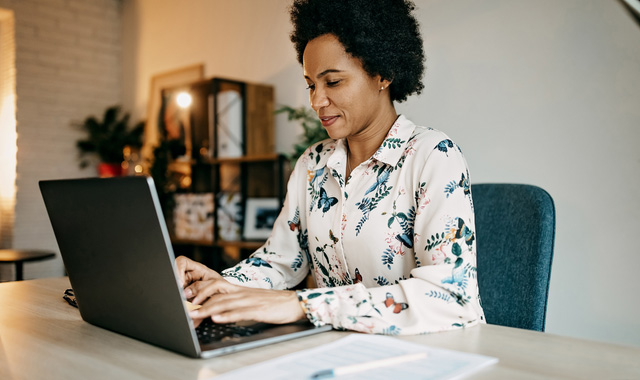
322	152
394	144
334	153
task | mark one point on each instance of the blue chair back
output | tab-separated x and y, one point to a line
515	230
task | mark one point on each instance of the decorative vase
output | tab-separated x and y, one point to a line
109	170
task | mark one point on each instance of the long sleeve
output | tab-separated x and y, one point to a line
283	261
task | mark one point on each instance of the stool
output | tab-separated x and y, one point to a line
19	256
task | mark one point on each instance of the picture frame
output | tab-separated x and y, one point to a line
193	217
159	82
260	216
228	130
229	216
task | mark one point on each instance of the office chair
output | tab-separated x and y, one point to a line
515	230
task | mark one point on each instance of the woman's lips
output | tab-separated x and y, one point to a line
328	120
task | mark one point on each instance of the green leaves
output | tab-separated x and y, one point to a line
393	143
313	131
456	250
107	137
434	241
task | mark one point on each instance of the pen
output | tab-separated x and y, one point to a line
349	369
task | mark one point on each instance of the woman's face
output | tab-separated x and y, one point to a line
346	99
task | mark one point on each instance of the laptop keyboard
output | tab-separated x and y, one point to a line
212	332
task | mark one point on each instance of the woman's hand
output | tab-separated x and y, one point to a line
190	271
227	303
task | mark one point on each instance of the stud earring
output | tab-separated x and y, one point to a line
381	88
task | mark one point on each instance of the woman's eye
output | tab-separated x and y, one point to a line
311	87
333	83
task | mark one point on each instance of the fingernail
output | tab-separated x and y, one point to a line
194	313
188	293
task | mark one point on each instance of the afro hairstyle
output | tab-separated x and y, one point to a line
382	34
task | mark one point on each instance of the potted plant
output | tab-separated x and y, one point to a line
107	139
313	131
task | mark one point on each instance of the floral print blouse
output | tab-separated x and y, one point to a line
392	249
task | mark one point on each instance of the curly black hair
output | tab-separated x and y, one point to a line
383	34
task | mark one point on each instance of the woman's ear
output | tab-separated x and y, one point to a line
384	83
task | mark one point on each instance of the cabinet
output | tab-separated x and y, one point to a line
229	152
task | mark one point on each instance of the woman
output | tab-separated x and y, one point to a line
381	213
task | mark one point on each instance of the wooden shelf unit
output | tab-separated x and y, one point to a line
259	172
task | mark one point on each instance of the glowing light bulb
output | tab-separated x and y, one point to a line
183	99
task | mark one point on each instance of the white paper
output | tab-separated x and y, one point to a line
358	348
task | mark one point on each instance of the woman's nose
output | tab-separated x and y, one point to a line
318	100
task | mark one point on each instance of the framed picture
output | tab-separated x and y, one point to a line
229	213
259	218
193	216
229	118
170	79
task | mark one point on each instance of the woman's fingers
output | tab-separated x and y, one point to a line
181	268
190	271
224	303
237	315
197	322
221	303
202	290
231	303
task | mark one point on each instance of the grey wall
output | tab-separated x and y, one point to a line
547	92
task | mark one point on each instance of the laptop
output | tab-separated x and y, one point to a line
116	249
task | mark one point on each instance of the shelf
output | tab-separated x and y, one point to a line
240	244
260	173
252	158
219	243
206	243
180	166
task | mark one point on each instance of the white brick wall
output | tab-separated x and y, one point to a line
7	127
68	62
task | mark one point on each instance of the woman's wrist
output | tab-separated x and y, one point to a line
303	306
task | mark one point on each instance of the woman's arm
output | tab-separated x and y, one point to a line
283	261
247	291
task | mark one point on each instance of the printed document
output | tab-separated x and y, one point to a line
362	348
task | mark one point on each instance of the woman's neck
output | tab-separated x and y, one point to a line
362	146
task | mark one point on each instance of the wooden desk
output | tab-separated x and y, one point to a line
42	337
